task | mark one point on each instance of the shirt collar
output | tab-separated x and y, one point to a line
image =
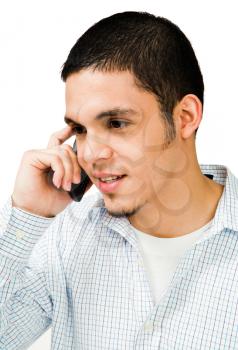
225	216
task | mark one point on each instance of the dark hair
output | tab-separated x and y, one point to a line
153	49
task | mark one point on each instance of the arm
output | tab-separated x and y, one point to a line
25	302
37	199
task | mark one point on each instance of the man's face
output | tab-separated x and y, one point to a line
130	143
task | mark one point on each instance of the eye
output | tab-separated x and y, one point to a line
117	124
112	124
78	129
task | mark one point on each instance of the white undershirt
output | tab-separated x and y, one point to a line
161	256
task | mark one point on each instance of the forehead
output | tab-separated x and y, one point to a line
89	92
88	81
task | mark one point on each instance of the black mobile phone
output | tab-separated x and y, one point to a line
77	190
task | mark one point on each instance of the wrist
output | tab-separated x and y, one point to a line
16	205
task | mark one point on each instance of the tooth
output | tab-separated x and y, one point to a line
109	178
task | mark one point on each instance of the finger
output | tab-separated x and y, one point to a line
59	137
64	179
72	169
44	160
76	173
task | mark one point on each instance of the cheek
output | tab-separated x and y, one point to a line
129	149
147	171
172	161
141	174
153	133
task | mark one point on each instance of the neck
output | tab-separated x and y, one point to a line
182	206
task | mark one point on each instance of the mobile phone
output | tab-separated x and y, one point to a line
77	190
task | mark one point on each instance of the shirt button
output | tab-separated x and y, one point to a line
1	224
148	326
19	234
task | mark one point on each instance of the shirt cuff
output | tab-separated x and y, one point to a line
19	231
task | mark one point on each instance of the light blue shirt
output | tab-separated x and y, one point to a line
82	273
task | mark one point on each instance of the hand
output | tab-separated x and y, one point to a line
35	190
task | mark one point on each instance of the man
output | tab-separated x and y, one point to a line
149	261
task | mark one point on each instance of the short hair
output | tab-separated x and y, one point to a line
152	48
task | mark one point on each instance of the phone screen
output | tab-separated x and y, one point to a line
77	190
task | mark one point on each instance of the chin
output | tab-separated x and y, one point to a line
119	211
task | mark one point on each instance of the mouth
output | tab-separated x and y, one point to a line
111	184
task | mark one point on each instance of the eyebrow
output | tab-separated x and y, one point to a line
115	112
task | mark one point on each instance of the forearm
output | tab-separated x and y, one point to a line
19	233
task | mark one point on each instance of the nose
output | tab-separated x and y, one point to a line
95	148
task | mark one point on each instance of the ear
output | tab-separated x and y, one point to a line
188	115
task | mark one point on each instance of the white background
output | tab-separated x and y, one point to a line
35	39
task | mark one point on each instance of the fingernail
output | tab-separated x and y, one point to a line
68	186
56	181
77	179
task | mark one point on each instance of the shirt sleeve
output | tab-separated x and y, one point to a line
25	301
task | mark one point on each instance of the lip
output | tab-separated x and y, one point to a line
110	187
101	175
